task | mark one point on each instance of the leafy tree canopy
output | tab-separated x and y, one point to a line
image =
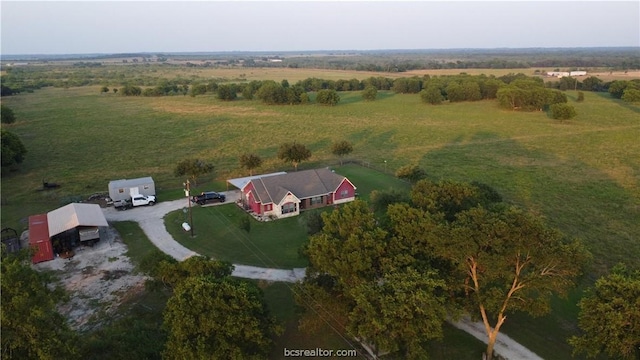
506	260
432	95
411	173
7	115
193	168
250	162
218	318
369	93
32	328
562	111
328	97
610	316
354	273
227	92
341	148
293	153
12	149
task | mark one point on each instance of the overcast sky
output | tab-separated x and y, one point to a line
77	27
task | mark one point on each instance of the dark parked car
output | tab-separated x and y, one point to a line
208	197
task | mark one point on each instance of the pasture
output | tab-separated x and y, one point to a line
583	175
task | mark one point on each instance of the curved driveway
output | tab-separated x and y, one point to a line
151	220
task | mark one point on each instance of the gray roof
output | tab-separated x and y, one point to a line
303	184
74	215
124	183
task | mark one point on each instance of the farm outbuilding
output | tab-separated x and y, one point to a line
39	238
126	188
61	230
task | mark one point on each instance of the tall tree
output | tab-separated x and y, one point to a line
354	272
506	260
293	153
32	328
250	162
218	318
610	317
193	168
341	148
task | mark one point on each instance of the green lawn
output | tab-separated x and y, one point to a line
273	244
217	234
582	175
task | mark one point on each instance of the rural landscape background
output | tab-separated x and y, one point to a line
582	175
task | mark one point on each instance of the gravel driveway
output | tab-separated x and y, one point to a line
151	222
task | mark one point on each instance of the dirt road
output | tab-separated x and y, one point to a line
505	346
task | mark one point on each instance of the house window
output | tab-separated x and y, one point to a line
344	193
288	208
316	200
268	207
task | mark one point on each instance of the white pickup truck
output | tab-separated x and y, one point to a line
138	200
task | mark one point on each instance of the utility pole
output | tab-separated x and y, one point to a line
187	192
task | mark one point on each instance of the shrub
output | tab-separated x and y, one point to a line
370	93
412	173
580	96
314	222
8	117
431	95
629	95
245	223
562	111
328	97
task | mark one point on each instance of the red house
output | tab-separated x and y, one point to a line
287	194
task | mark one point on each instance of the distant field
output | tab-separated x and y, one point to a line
583	175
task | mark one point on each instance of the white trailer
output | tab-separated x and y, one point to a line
125	189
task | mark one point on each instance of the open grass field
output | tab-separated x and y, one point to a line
583	175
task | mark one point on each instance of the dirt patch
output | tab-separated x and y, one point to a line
98	280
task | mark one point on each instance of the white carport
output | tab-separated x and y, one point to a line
75	215
242	182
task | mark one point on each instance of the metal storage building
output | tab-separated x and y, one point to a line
63	229
121	189
39	238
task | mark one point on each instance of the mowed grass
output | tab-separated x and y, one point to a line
583	175
275	244
218	234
